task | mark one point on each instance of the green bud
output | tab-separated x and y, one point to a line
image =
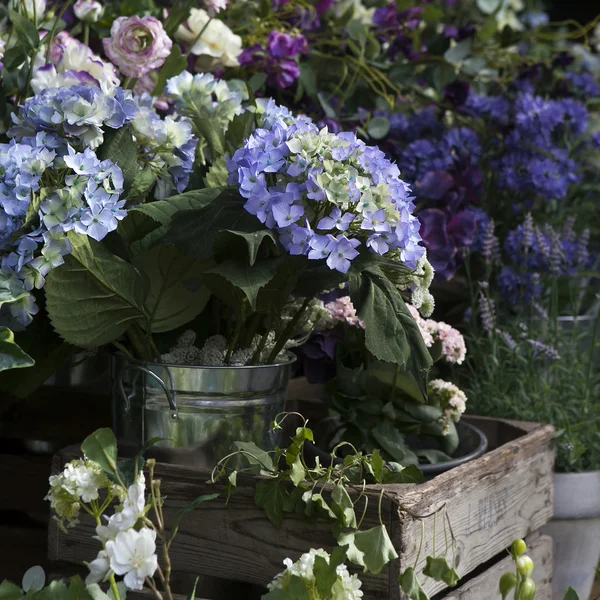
524	566
507	582
519	547
527	590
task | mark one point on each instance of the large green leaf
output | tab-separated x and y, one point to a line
377	547
101	447
194	232
249	279
11	356
409	583
119	147
95	296
571	594
391	334
253	240
392	441
177	294
326	572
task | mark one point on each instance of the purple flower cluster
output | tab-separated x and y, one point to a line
394	28
278	59
326	194
535	252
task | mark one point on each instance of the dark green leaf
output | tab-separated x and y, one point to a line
27	31
78	590
571	594
296	589
101	447
257	81
442	74
436	568
14	57
119	147
94	296
11	355
10	591
255	455
316	505
271	497
254	240
177	294
142	184
409	583
376	546
173	66
240	129
378	127
432	456
189	508
395	338
391	440
451	577
178	14
194	232
308	79
212	132
249	279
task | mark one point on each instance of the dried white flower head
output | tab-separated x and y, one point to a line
451	399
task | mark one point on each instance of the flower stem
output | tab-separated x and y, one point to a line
113	586
288	331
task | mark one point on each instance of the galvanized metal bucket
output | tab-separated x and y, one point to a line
201	411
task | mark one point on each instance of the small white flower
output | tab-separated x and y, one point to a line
132	553
120	521
88	11
99	569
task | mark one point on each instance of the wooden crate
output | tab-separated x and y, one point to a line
485	585
505	494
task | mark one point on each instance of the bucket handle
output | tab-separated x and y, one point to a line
169	393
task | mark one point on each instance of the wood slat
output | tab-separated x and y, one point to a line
539	548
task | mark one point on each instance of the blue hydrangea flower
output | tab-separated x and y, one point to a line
310	185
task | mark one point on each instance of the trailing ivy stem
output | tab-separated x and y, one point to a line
379	508
420	545
288	331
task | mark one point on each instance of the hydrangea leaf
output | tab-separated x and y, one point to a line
217	174
395	338
194	232
176	294
271	497
154	218
249	279
119	147
95	296
377	547
240	128
254	240
392	441
11	355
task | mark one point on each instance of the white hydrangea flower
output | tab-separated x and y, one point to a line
450	398
133	554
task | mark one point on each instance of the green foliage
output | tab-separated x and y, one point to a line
101	447
410	585
94	296
27	32
11	355
33	588
119	147
189	508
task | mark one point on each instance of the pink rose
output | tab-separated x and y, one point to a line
137	45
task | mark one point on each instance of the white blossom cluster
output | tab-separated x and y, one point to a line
450	398
126	551
346	586
80	481
214	352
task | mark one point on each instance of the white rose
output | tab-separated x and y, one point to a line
218	45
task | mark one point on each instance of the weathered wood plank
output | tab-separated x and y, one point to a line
505	494
486	584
